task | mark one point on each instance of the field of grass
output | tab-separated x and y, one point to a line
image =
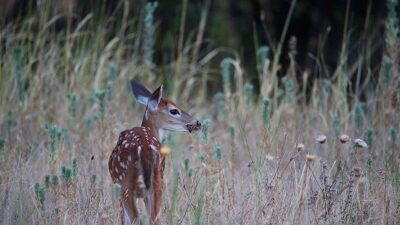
265	156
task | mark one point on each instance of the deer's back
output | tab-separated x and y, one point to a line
134	155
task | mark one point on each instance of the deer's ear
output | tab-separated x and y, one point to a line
155	99
141	93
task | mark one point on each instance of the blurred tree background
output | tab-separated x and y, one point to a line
317	29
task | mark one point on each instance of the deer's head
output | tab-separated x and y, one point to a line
161	113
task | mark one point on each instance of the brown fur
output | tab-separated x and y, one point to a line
126	163
136	163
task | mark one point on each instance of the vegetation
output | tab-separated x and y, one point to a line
270	153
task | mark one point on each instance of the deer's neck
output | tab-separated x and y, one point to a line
157	131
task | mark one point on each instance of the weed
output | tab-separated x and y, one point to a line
40	195
226	76
265	114
2	149
72	105
220	105
149	33
248	93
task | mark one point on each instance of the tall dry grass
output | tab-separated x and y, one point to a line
262	159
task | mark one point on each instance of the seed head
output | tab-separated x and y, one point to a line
299	147
269	157
344	138
321	139
165	151
310	157
360	143
362	180
357	171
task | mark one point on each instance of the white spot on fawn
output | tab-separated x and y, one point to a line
154	148
126	145
130	158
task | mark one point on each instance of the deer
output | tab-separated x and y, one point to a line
136	163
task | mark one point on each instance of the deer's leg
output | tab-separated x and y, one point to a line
152	198
129	214
148	201
157	188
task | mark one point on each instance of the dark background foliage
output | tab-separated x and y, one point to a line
319	27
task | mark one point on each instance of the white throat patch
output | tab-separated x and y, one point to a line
161	134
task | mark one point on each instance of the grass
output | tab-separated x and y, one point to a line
65	97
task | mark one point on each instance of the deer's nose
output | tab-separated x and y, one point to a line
198	123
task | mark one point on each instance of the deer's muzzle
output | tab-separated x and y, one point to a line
196	126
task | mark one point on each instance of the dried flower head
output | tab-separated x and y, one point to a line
357	171
344	138
360	143
362	180
299	147
269	157
165	151
310	157
321	139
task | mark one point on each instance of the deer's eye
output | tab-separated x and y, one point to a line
174	112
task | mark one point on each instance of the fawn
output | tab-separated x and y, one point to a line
136	163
